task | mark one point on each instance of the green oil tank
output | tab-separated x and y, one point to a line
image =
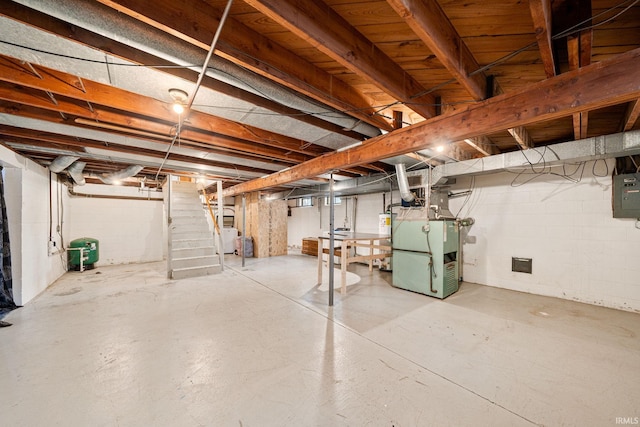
85	258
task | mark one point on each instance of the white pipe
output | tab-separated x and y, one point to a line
60	163
75	170
428	191
219	241
120	175
212	48
403	183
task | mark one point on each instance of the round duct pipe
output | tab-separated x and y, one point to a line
112	178
60	163
403	183
75	171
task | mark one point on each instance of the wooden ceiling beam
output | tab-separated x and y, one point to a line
541	14
52	25
630	116
101	94
327	31
51	139
518	133
55	26
522	137
483	144
248	48
30	112
189	138
576	14
579	54
140	128
427	19
573	92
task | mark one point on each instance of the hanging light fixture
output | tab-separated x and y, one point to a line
180	98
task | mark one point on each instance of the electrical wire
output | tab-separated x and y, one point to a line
472	187
60	208
626	5
568	176
570	31
95	61
577	28
593	168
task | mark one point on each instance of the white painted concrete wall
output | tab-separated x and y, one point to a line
128	231
27	198
303	222
311	221
579	250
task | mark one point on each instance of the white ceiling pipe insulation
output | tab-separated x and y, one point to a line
75	171
115	177
107	22
403	183
60	163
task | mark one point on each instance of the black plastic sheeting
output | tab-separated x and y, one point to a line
6	282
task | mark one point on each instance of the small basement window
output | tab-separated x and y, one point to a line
304	202
336	200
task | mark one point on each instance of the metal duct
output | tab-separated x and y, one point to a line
403	183
112	178
599	147
75	171
60	163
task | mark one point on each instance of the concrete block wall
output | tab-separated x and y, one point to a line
579	251
27	188
129	231
303	222
311	221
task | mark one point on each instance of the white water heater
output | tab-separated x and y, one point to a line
384	224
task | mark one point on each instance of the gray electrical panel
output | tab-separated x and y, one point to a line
626	196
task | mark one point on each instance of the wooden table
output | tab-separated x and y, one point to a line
353	240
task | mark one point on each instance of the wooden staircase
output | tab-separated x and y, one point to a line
191	244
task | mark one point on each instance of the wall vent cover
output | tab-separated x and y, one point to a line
521	265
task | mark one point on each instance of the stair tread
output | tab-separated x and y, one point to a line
196	268
194	247
194	257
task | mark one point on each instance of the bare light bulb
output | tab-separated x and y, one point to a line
440	148
178	108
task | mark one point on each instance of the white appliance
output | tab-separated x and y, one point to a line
229	235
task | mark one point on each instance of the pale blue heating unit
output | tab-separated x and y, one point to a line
425	254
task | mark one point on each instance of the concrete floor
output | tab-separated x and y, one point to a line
258	346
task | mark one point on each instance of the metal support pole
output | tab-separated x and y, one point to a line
244	224
220	243
331	240
169	236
